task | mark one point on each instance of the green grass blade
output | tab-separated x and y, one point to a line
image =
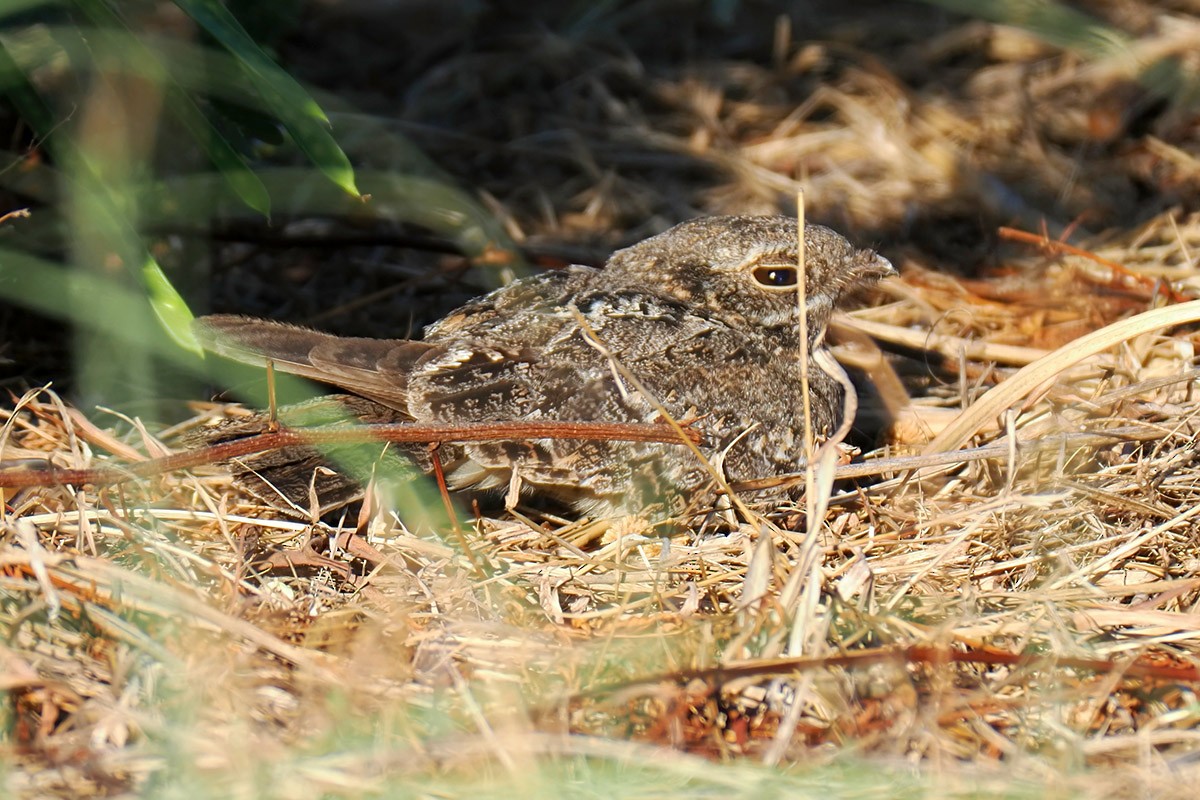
12	8
18	88
166	302
113	35
115	311
435	204
1051	22
296	109
228	161
170	308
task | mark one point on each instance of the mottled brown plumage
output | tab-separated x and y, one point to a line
704	316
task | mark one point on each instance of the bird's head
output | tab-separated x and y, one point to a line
743	270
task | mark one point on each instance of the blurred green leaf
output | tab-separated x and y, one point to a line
172	311
430	203
113	34
229	163
98	207
296	109
1065	27
28	102
104	209
12	8
195	71
1052	22
114	310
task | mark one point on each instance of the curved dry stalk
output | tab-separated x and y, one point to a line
1029	378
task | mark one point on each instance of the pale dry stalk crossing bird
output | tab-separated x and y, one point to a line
704	319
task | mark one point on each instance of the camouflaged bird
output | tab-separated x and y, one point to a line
704	317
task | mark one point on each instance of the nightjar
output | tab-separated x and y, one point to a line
703	317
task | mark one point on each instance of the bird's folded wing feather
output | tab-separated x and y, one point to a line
378	369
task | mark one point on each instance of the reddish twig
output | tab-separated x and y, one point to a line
439	475
916	654
1046	244
22	475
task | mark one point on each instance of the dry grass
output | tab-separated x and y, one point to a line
170	636
154	628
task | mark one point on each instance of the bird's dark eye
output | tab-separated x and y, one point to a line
775	276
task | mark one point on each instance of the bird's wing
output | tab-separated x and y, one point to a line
558	359
544	291
563	361
377	369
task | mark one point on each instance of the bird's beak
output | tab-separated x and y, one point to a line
867	267
879	267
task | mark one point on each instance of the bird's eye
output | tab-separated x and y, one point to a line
775	276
